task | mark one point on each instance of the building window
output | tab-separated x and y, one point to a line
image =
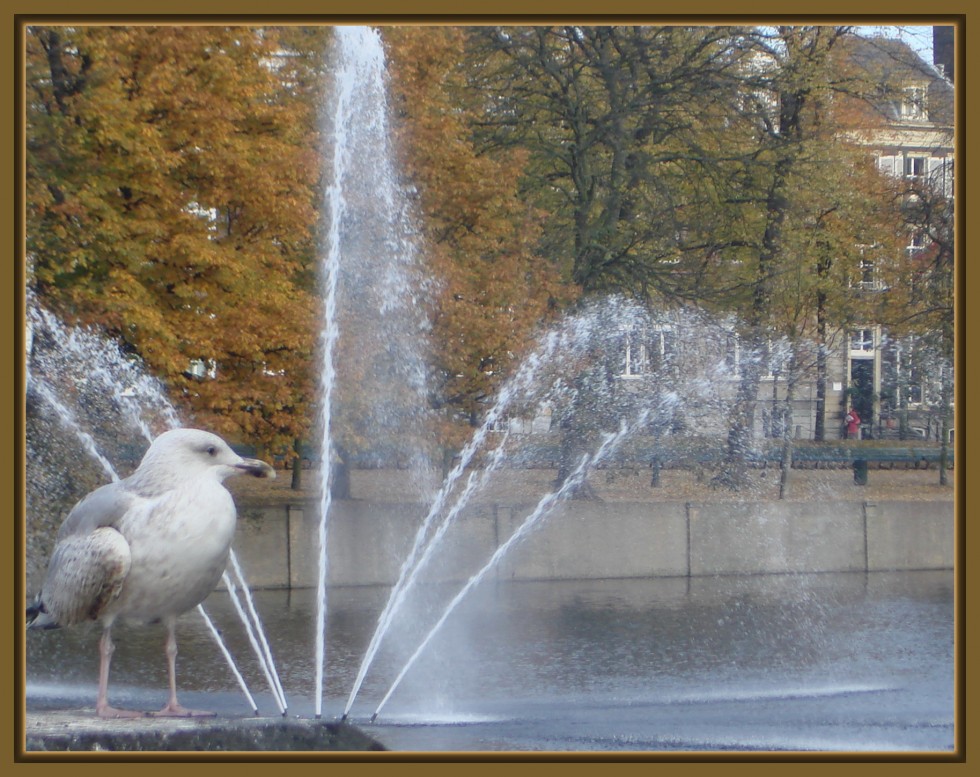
201	369
635	357
862	342
920	374
915	167
733	352
914	389
889	164
868	275
934	170
918	242
643	355
661	348
776	359
940	171
914	103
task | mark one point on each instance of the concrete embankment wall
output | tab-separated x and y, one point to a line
594	540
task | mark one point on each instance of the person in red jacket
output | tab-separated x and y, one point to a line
853	421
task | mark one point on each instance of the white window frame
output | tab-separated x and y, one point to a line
201	369
633	368
774	353
939	172
869	270
869	274
865	347
914	106
663	339
918	242
637	350
910	162
733	353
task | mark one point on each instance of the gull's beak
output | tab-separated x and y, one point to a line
256	468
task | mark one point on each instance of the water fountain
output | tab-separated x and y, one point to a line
370	280
379	273
585	371
545	379
608	444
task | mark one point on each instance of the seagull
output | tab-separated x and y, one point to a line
147	548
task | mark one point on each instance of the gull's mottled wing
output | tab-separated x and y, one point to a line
90	560
85	574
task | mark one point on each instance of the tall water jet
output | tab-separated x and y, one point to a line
374	314
544	506
529	386
374	308
525	387
425	542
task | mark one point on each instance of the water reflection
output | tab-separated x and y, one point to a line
834	661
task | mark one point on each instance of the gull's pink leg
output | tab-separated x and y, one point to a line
102	708
173	709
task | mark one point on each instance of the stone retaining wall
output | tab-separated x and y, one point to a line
368	542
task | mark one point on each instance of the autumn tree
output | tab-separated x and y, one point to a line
171	199
493	287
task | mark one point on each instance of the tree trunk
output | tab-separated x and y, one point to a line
820	422
947	390
340	475
733	473
786	459
297	481
655	466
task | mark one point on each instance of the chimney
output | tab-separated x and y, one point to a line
942	50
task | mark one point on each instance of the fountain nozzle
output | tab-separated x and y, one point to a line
374	717
343	717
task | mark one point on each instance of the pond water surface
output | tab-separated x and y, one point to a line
830	662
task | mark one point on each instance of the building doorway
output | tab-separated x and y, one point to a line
862	392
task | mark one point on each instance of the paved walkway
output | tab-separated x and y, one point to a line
630	485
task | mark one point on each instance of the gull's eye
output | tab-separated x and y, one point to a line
212	451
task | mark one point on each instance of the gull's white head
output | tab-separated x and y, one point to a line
185	453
